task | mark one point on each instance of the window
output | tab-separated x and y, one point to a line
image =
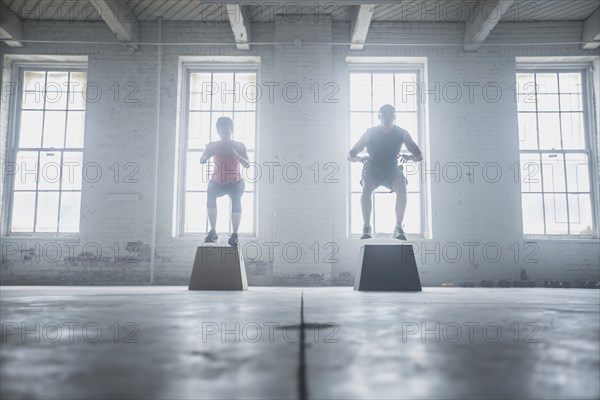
555	153
48	151
210	94
369	90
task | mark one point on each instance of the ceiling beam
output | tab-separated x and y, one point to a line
239	25
361	20
485	17
591	32
118	19
11	28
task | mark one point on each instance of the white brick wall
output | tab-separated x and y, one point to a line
305	132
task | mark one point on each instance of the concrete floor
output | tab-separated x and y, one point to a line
513	343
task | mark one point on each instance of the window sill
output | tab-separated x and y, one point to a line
547	238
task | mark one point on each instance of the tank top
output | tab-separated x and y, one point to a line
384	147
227	169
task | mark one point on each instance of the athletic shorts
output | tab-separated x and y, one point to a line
382	177
233	190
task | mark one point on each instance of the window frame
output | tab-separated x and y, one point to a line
14	126
187	68
420	137
591	143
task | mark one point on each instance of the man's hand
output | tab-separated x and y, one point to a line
406	157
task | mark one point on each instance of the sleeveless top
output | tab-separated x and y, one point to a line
384	147
227	169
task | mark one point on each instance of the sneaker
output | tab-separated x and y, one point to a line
211	237
399	233
233	240
366	232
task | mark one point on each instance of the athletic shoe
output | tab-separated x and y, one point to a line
211	237
399	233
366	232
233	240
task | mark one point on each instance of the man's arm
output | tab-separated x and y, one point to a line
208	153
413	148
358	147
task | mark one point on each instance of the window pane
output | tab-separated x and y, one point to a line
533	214
407	92
525	83
360	87
549	126
547	83
383	90
384	213
570	82
224	217
199	130
553	173
57	81
31	129
531	173
355	176
356	220
195	212
56	99
580	214
75	129
77	100
571	102
556	214
72	170
34	80
408	121
412	172
526	103
253	174
32	100
412	218
196	173
244	128
202	89
54	129
248	92
578	175
69	212
528	131
78	81
247	221
49	171
47	212
26	170
359	123
23	209
223	98
572	131
547	102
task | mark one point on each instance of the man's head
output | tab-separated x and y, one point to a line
225	128
387	115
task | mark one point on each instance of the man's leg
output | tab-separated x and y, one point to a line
399	187
366	203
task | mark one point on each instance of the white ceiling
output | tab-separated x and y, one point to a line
407	10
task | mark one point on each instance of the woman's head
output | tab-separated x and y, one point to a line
225	128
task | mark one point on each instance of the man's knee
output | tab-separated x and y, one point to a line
399	186
369	186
